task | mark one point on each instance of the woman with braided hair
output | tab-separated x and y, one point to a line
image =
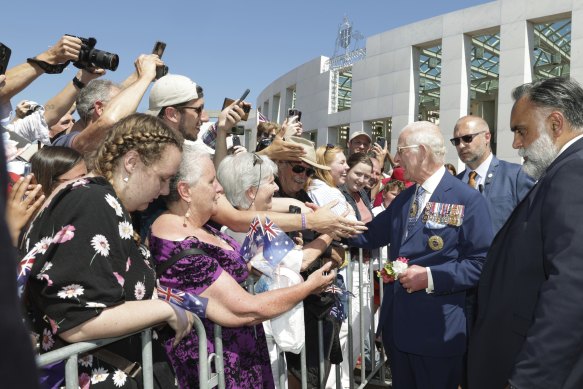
90	278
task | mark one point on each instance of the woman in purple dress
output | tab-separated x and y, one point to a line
216	275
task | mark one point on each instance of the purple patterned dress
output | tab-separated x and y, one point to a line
246	358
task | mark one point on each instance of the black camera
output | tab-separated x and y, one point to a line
263	143
89	56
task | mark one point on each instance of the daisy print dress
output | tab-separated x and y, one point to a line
84	260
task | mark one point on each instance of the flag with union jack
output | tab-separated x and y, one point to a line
276	243
24	268
253	240
188	301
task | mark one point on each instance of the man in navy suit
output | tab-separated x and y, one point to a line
529	331
502	183
442	226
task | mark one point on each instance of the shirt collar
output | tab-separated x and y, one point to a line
569	143
431	183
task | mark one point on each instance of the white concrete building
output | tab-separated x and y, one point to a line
437	69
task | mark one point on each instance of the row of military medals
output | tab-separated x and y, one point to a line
440	213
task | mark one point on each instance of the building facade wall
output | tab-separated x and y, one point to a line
385	83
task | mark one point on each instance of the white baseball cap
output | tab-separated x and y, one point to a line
170	90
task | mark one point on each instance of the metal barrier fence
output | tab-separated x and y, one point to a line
207	378
210	379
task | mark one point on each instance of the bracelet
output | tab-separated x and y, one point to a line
77	82
304	224
47	67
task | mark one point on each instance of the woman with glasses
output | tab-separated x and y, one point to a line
217	271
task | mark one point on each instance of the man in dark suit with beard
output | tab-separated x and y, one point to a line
528	332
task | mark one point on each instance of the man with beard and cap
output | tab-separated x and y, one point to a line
528	331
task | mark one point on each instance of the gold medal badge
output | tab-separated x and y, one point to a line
435	243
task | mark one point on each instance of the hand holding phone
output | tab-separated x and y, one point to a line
246	108
159	48
381	141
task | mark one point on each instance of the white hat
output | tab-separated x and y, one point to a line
170	90
359	133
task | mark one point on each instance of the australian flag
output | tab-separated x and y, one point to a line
188	301
276	244
253	240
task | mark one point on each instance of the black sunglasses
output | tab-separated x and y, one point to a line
298	169
466	138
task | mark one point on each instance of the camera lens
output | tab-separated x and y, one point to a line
103	59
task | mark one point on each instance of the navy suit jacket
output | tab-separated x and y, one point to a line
529	327
505	185
431	324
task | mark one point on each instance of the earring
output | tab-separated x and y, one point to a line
126	179
186	215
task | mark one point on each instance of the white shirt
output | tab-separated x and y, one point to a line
322	194
481	171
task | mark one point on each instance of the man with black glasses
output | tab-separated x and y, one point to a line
502	183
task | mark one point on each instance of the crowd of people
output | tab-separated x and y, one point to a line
107	214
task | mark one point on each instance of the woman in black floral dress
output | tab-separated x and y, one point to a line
89	279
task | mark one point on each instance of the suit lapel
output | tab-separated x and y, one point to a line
491	173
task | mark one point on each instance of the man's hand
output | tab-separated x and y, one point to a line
414	278
380	153
283	150
324	221
291	127
146	65
66	49
231	115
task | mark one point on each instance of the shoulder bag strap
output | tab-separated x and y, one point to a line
161	269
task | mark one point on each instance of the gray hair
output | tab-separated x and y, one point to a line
189	170
558	93
429	135
237	173
96	90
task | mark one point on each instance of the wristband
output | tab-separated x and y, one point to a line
304	224
47	67
77	82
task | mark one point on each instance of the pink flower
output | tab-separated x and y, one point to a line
120	279
84	381
128	264
65	234
54	325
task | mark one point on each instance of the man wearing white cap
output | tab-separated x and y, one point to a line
179	102
359	142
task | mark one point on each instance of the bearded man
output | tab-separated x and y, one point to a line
528	332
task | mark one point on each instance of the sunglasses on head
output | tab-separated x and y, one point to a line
466	138
298	169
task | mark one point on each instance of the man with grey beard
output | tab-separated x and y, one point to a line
528	332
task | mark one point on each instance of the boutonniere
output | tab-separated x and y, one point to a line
392	269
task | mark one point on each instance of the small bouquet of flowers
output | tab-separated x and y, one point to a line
390	272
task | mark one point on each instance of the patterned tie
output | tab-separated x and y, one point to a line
414	211
472	179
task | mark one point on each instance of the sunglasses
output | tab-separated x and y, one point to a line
198	110
299	169
466	138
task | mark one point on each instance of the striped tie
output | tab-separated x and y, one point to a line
414	211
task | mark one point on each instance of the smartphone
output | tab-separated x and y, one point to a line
236	140
246	108
294	209
4	57
294	112
244	95
27	169
381	141
159	48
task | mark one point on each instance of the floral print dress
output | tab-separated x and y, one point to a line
84	260
244	348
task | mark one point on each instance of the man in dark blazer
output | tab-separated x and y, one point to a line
529	331
443	228
502	183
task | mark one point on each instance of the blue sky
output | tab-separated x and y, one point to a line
225	46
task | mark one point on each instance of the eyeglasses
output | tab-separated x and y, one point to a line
198	110
466	138
299	169
401	148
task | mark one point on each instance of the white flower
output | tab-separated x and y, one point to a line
98	375
125	230
71	291
92	304
100	244
86	361
119	378
43	244
399	267
139	290
113	203
48	340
